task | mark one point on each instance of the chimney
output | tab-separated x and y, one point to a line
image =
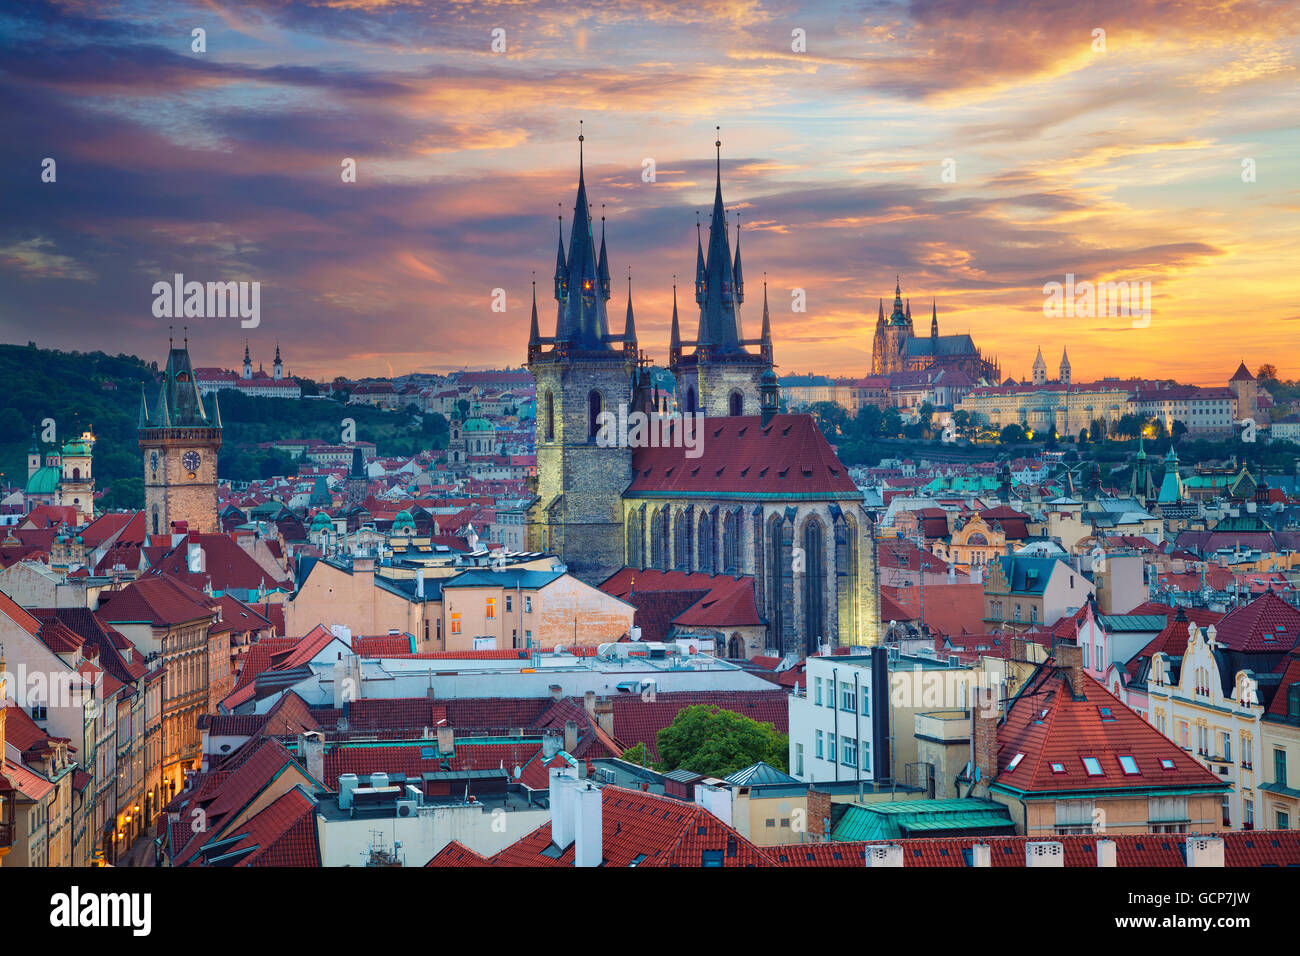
885	855
550	745
1069	659
311	747
1107	853
1044	853
589	701
588	825
347	783
562	810
1205	851
446	740
984	750
570	735
605	715
557	692
981	854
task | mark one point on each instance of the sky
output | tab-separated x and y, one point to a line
978	151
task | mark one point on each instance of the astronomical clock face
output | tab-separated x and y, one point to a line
191	461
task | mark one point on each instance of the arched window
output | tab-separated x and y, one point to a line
155	520
737	404
595	405
731	542
690	400
814	585
635	549
549	416
682	542
777	572
76	474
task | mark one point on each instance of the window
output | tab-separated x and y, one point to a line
39	712
1093	766
1248	809
866	704
819	745
595	406
1074	816
510	603
1166	763
528	638
528	604
830	747
847	698
865	752
1129	765
771	822
455	622
1015	762
1106	714
1283	820
491	611
1227	746
1279	766
798	760
1058	768
1227	811
849	752
1167	814
817	683
711	858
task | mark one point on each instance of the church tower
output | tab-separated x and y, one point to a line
1065	368
179	439
1040	369
894	334
582	372
721	376
278	368
248	362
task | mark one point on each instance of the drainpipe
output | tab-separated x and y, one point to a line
857	727
835	709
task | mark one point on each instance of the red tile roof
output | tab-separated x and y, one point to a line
159	599
740	455
395	713
381	645
1172	641
1048	727
644	829
1277	707
283	834
456	853
1265	625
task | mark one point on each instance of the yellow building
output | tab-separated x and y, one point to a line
974	545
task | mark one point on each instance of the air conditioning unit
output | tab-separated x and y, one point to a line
607	775
408	808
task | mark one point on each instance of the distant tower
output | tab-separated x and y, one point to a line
358	480
1040	369
581	372
721	376
179	441
1245	390
77	484
892	335
934	328
1065	368
248	362
278	372
33	457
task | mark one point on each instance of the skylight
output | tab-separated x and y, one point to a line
1128	764
1058	768
1093	766
1166	763
1015	762
1106	713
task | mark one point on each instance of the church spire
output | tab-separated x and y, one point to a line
603	267
700	274
934	321
534	332
736	273
582	293
717	291
675	340
767	328
561	270
629	326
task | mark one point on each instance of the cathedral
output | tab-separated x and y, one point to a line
765	496
179	440
897	348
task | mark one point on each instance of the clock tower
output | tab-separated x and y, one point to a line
179	440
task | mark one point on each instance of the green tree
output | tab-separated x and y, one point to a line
637	754
831	418
124	494
924	414
1178	430
868	421
1012	434
707	739
892	423
462	405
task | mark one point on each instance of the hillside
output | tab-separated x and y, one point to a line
94	390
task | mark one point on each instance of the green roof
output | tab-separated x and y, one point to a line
44	481
904	818
1116	623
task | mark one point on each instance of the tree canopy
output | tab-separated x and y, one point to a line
707	739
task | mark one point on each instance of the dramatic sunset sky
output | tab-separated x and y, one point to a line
1122	164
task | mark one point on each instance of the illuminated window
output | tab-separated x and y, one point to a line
455	623
491	608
